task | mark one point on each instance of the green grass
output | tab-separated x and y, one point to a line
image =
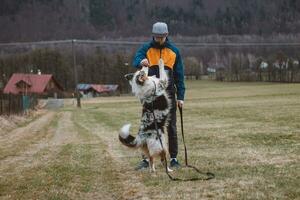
243	132
248	134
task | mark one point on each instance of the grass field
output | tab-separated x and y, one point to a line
248	134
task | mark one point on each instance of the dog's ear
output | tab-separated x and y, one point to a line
129	76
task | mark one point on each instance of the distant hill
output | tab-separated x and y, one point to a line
33	20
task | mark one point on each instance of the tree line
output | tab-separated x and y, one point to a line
243	66
32	20
108	64
96	68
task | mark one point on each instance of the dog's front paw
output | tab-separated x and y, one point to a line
161	63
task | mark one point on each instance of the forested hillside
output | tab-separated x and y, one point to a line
32	20
235	23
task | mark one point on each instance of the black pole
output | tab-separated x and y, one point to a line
9	104
1	110
75	74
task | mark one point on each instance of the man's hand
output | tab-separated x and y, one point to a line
180	103
145	63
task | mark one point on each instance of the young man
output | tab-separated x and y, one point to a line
148	55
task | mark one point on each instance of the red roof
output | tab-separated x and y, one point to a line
97	87
36	83
104	88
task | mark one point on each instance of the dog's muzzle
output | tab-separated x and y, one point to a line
141	77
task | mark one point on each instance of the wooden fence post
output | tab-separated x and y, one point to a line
1	109
9	104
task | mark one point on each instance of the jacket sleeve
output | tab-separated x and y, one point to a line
179	77
140	55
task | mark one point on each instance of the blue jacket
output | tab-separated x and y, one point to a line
172	60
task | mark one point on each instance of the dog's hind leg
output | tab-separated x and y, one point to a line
152	167
145	69
163	159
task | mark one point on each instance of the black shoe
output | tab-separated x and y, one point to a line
174	163
144	164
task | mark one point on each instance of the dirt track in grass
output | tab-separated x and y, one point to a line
50	142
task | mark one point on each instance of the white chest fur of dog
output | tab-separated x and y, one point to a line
151	91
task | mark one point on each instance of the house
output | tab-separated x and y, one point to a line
93	90
41	84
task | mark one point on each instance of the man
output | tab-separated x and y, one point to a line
148	55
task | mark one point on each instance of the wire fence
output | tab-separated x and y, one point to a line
16	104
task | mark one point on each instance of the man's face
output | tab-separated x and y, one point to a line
160	39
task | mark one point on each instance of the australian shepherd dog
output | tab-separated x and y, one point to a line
151	91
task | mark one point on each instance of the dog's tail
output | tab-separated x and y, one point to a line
127	139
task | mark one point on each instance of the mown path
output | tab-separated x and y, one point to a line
65	155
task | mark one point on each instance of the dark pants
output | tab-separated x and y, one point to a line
171	128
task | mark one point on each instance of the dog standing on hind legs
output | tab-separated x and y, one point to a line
151	91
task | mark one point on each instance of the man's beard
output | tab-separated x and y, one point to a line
159	45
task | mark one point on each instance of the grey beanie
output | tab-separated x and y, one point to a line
160	29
